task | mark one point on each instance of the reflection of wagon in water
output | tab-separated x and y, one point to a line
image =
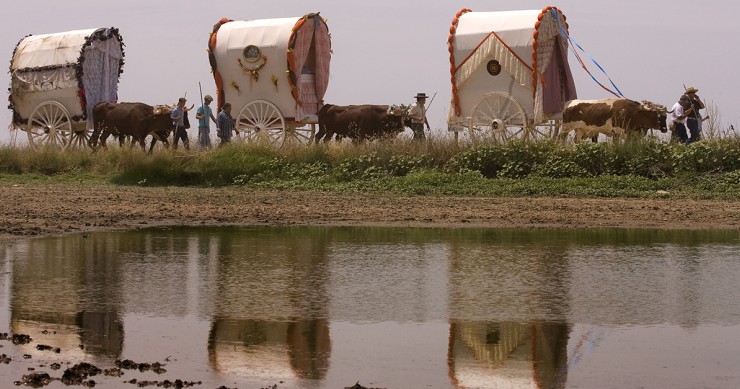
56	80
510	74
274	72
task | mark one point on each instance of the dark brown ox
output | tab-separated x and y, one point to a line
618	118
137	120
361	122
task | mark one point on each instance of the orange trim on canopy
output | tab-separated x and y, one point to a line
535	35
451	49
291	72
212	59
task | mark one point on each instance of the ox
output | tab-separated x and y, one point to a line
137	120
361	122
619	118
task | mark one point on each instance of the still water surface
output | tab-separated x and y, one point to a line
392	308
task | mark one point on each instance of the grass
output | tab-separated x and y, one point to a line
704	170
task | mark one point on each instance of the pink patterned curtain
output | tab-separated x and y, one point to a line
323	57
559	85
303	38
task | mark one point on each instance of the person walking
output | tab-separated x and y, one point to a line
225	124
178	117
678	119
694	120
204	114
418	116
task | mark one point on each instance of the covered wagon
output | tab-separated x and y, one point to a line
56	80
274	72
509	73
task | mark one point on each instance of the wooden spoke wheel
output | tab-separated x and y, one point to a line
49	124
80	135
261	121
300	135
544	131
498	118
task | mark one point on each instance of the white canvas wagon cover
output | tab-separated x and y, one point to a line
76	68
528	46
284	61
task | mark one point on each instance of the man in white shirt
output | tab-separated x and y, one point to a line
678	118
418	116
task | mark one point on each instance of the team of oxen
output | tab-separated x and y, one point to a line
618	118
131	120
139	120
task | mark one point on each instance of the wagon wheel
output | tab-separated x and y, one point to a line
49	124
498	117
300	135
261	121
544	131
80	136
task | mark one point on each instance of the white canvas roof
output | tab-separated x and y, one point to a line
514	27
57	49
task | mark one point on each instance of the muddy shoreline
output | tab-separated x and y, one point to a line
44	210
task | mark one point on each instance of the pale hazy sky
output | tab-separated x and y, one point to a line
385	51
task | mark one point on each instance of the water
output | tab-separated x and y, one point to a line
391	308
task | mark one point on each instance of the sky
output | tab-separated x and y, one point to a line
386	51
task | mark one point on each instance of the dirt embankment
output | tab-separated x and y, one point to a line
32	210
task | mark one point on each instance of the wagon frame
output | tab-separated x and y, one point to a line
274	72
509	73
56	80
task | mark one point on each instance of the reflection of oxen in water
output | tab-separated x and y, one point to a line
361	122
137	120
619	118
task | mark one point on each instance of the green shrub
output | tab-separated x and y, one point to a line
650	158
559	166
706	169
487	160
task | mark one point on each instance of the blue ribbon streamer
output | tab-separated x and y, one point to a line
567	37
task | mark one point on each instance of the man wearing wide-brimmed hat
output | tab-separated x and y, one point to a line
693	119
418	116
204	116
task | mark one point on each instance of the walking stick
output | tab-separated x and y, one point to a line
205	119
425	114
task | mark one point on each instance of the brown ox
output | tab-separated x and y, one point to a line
137	120
619	118
361	122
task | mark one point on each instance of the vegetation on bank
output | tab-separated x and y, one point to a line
650	168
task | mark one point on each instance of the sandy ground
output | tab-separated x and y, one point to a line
38	210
